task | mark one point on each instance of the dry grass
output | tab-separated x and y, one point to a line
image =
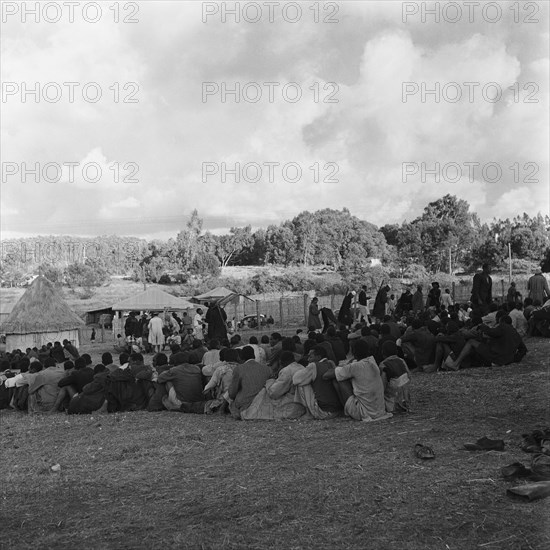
167	480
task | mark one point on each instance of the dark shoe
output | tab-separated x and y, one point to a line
515	470
485	444
529	444
540	466
423	451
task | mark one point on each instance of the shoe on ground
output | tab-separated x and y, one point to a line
531	491
540	467
485	444
423	451
529	444
515	470
429	368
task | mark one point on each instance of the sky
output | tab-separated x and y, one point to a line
373	106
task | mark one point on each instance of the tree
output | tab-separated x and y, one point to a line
187	241
230	246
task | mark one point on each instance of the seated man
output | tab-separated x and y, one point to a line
313	391
505	345
58	353
445	344
361	386
73	383
337	344
92	396
519	322
213	354
183	384
276	400
275	350
121	345
539	321
419	344
71	350
248	379
43	390
396	379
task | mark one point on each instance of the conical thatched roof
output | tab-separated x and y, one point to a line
40	309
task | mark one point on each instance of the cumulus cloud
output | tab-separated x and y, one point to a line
350	151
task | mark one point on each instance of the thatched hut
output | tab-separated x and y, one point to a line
40	316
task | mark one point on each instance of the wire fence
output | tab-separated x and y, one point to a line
289	313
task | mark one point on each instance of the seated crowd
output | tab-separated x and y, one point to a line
361	371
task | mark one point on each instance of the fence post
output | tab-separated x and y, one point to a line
258	314
235	318
453	291
502	286
102	333
305	310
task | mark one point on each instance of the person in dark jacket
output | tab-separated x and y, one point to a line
92	396
73	383
380	302
482	285
504	346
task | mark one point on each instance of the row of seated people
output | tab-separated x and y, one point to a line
429	344
233	380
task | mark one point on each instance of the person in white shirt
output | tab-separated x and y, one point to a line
519	322
446	299
198	325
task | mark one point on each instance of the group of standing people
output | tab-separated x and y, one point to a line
151	333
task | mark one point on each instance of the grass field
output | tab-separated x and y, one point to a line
168	480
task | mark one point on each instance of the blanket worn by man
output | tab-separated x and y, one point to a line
124	393
248	380
44	388
92	396
276	401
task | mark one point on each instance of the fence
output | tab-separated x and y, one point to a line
291	312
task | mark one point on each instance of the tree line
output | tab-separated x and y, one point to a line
447	236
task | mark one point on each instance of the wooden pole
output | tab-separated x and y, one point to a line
510	262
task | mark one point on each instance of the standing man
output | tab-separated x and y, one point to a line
380	303
482	290
417	301
156	336
537	285
198	325
363	304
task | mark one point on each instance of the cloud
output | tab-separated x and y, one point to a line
164	139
